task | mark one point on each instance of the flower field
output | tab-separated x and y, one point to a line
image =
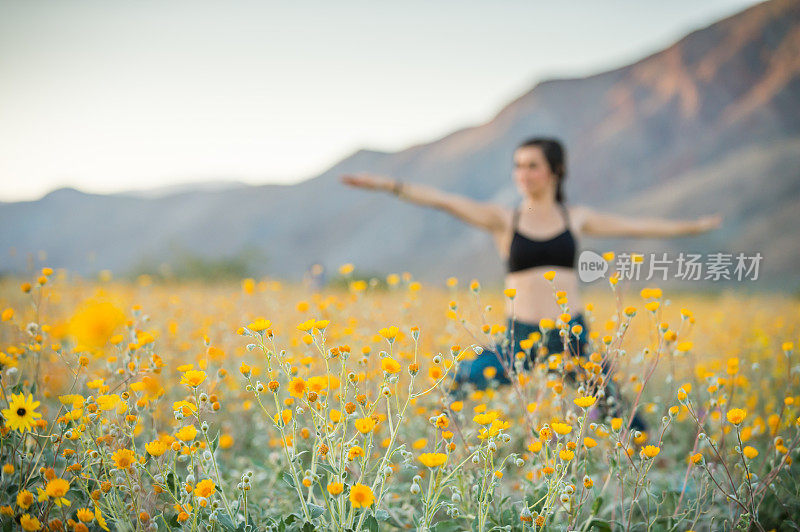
266	406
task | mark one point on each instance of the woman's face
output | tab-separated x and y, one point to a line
532	173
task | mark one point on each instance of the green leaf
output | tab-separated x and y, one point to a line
316	510
371	524
446	526
328	469
226	523
598	502
382	515
600	525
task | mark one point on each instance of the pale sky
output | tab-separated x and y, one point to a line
113	95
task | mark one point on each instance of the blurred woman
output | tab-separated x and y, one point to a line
539	235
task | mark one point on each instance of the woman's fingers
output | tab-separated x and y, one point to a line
363	181
354	180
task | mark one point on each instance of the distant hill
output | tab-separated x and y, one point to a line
710	124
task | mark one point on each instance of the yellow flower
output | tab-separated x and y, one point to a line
650	451
85	514
186	433
589	442
285	416
24	499
361	496
750	452
390	365
335	488
94	323
100	519
226	441
510	292
94	384
585	402
107	402
355	452
156	448
74	400
29	523
297	387
204	488
56	489
193	378
616	423
550	275
736	415
21	413
390	333
259	325
485	419
185	407
248	286
494	429
123	458
365	425
566	455
433	459
561	428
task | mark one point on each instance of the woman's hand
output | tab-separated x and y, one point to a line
369	182
707	223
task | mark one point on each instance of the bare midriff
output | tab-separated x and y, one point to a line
535	298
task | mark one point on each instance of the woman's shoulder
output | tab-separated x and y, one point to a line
578	214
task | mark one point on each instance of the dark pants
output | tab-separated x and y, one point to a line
473	371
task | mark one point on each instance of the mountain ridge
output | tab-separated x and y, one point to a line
725	93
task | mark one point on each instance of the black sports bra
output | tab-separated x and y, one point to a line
527	253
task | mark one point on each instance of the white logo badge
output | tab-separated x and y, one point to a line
591	266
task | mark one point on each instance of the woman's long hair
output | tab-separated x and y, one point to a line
556	158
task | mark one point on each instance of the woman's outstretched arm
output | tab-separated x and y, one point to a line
613	225
486	216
